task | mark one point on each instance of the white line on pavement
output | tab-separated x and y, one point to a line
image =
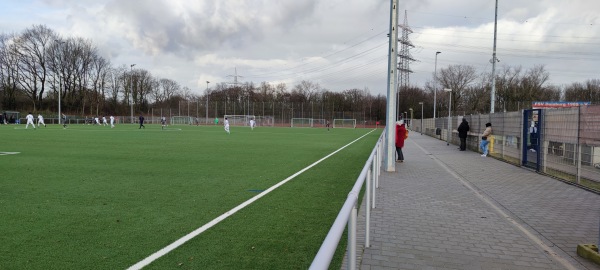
489	201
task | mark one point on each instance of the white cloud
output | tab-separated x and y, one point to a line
339	44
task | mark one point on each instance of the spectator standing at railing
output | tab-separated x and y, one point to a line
400	137
485	139
463	131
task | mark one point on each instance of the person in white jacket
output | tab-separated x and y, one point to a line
226	125
29	121
41	120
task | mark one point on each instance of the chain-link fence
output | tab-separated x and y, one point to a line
564	143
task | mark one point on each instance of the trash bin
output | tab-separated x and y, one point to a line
438	131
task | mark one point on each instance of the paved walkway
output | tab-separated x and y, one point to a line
446	209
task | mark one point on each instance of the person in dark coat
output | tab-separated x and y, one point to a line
142	121
463	130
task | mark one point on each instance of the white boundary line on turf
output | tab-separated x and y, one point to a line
220	218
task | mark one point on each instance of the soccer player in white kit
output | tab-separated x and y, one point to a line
29	121
64	118
252	123
226	123
112	121
104	123
41	120
97	120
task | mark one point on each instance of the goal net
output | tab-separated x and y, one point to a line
239	120
265	121
302	122
344	123
182	120
319	122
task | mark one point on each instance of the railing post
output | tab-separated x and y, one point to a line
379	163
374	172
378	170
368	210
352	239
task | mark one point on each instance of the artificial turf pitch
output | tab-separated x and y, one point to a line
92	197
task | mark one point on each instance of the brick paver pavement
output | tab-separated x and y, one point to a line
447	209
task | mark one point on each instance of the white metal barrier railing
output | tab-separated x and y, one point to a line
349	213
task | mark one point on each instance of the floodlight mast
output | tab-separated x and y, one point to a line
59	89
131	90
494	60
421	117
449	132
207	96
392	86
435	85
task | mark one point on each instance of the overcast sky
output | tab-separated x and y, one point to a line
338	44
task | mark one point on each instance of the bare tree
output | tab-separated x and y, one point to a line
533	82
588	91
116	78
305	90
8	71
32	46
99	74
167	90
458	78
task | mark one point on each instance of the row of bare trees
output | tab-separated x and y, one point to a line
516	89
38	65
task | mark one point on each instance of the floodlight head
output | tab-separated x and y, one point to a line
436	53
447	89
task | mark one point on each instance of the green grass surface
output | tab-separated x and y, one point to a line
91	197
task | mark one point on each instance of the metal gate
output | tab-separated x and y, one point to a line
532	138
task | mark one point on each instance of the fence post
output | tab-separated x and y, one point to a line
578	176
374	172
368	209
352	239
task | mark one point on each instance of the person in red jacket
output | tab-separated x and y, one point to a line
400	136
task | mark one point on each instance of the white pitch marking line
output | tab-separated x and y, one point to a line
227	214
